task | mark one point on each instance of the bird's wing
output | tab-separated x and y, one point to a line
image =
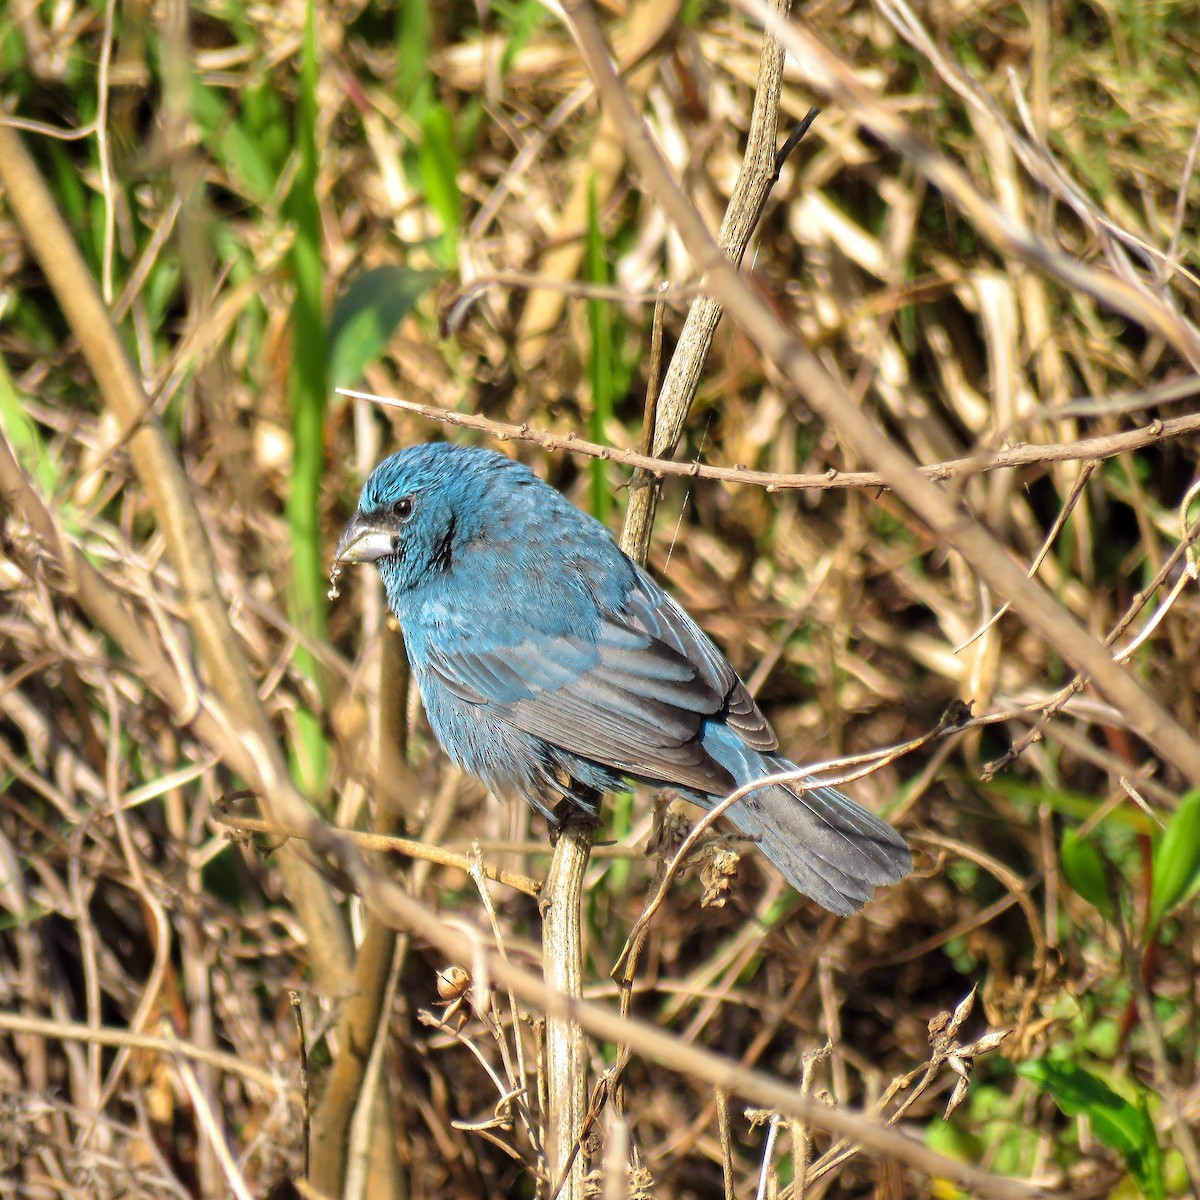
632	694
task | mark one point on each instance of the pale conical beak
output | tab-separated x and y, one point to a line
362	542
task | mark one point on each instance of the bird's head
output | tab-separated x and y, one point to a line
416	509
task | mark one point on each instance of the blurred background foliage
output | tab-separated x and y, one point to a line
278	200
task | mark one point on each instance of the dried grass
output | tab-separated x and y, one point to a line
127	907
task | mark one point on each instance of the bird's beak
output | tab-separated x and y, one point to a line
362	542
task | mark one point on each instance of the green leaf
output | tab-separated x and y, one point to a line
1077	805
439	175
1176	871
366	314
1121	1125
1083	868
24	437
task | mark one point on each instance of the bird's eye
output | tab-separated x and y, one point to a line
403	508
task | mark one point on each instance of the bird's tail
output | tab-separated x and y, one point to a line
823	844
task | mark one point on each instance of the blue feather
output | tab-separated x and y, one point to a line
551	665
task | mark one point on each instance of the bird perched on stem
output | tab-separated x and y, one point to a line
551	665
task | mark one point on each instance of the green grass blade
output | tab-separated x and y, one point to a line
414	32
439	165
307	395
601	366
522	20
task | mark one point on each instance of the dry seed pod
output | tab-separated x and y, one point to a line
452	983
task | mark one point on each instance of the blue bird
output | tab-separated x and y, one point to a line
551	665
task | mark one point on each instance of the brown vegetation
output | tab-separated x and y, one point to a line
980	261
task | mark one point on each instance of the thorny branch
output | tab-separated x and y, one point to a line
1087	449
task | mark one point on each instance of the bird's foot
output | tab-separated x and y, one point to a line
568	815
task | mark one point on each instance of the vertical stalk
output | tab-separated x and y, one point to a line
566	1050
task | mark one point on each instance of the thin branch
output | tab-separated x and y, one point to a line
1091	449
101	1035
1183	552
859	429
1064	513
398	845
170	500
757	174
1168	1092
824	70
52	559
793	140
210	1128
356	1103
467	296
460	943
666	412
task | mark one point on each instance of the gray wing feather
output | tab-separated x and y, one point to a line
633	696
